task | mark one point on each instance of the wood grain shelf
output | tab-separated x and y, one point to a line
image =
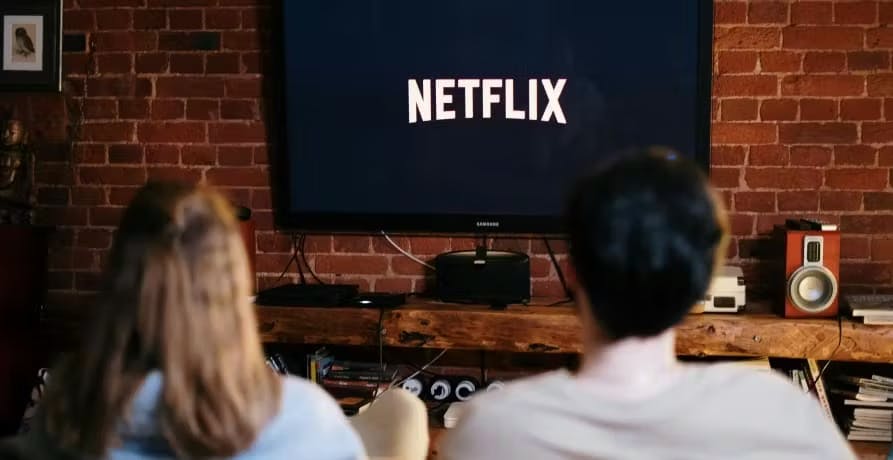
555	329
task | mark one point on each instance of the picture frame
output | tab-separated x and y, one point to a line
31	45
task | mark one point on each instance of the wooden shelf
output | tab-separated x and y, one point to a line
545	329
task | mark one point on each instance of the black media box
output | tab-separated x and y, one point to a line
488	277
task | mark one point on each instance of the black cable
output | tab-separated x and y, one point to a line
304	259
380	333
834	352
285	270
296	244
558	270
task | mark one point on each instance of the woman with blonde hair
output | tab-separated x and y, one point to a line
173	365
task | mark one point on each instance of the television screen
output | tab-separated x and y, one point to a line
476	116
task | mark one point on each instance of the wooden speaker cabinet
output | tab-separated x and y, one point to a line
23	272
812	273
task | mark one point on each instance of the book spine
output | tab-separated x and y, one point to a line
820	389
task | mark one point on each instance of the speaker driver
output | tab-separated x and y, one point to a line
812	288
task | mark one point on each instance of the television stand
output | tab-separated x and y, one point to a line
308	295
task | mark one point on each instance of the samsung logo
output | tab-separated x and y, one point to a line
487	223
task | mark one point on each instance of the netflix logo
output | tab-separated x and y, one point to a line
480	96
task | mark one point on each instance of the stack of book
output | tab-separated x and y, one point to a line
353	384
873	309
867	407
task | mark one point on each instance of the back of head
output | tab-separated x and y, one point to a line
645	236
175	299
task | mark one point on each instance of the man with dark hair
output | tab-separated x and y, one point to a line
646	234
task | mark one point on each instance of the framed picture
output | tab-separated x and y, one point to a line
31	45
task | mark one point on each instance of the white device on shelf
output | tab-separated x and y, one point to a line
726	292
452	414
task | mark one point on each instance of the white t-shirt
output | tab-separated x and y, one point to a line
710	412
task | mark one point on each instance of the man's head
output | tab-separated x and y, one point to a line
645	236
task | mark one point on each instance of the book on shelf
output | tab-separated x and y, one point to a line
814	373
873	309
866	405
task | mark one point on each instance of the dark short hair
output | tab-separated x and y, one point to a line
644	234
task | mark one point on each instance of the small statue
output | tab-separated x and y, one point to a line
16	169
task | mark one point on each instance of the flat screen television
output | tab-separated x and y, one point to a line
475	116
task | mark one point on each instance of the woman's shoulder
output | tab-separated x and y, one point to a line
304	397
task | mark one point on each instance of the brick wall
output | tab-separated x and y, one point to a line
803	125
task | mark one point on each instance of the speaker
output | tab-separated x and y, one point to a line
484	277
812	270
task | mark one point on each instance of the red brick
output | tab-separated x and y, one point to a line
780	61
119	86
885	156
739	109
864	273
431	246
823	85
729	12
234	156
811	12
818	109
261	155
125	153
187	63
114	63
223	63
882	249
93	238
241	41
237	132
133	108
87	196
817	133
401	265
758	38
167	109
859	155
151	62
125	41
879	223
393	285
352	244
825	38
71	259
256	18
783	178
768	155
885	12
100	109
222	19
727	155
274	242
77	64
818	62
767	12
108	132
725	177
381	246
237	195
860	109
316	244
877	132
79	20
114	19
856	178
202	109
855	12
880	85
122	196
106	216
149	19
181	19
112	175
252	62
181	3
736	62
743	133
798	201
352	264
878	201
868	60
52	196
244	87
244	177
171	132
189	87
175	174
238	110
754	201
741	224
110	3
879	38
745	85
198	155
841	201
778	109
854	248
87	153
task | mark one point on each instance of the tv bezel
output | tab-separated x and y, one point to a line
436	223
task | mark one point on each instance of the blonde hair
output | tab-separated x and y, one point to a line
176	298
